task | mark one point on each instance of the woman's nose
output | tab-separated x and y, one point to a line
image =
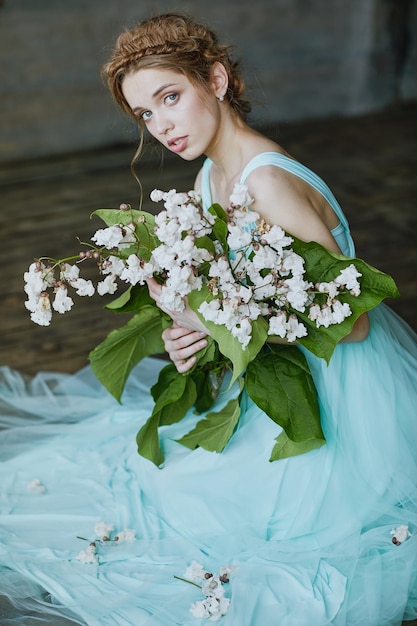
163	124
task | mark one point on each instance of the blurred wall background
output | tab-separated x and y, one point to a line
302	59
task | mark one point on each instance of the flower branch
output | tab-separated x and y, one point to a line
247	281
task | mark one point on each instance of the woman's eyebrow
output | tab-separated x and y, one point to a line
158	91
155	94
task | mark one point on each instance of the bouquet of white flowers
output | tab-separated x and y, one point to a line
248	282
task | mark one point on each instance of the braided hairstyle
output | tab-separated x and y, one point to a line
176	42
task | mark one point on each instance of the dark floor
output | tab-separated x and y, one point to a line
370	162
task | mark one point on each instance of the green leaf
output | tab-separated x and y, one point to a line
220	232
148	241
285	448
148	441
322	265
213	432
208	376
218	211
111	217
131	300
280	383
230	346
119	303
174	395
219	228
206	355
166	376
205	396
144	229
113	359
174	413
205	242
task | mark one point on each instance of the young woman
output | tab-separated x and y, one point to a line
327	537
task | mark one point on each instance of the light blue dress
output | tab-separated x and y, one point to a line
309	538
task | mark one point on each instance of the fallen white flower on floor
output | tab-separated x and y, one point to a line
36	486
103	530
400	534
215	604
127	535
212	608
88	556
195	572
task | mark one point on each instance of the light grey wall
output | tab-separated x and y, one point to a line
302	59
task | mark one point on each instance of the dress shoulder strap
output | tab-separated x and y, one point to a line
205	184
296	168
341	232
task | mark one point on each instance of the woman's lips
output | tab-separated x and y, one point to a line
178	144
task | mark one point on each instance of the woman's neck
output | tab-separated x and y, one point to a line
230	146
233	148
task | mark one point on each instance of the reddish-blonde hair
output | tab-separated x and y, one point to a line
176	42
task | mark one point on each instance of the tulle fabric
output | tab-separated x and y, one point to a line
309	538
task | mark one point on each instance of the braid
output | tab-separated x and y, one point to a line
175	42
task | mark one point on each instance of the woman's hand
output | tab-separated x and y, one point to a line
182	344
185	337
186	319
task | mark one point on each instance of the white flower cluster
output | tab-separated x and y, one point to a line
263	276
256	273
334	312
215	604
40	278
178	228
400	534
35	486
259	275
103	531
117	236
59	276
88	556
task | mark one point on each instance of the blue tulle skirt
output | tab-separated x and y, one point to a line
309	538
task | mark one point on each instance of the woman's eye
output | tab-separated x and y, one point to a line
146	115
172	97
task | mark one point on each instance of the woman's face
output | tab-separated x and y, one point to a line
183	117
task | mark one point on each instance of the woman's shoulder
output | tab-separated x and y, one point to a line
273	171
285	192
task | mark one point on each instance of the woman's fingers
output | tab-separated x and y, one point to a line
183	334
184	366
185	345
182	344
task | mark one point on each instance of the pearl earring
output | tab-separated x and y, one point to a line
220	98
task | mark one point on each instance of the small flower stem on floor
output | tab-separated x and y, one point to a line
188	581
